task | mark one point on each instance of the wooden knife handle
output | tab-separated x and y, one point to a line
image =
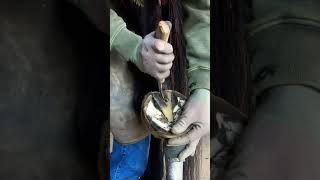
163	33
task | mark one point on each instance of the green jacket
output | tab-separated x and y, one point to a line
197	34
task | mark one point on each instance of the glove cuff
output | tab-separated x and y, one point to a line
199	78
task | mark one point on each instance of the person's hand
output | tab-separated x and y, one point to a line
197	115
155	57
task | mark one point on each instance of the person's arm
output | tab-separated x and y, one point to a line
197	34
125	42
152	56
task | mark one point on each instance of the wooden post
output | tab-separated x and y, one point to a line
198	167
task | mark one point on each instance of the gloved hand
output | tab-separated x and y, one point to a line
155	57
197	115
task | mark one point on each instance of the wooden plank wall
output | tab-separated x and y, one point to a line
198	167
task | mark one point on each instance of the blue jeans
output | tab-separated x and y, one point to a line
128	162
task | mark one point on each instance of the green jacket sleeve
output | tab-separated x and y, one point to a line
197	34
123	40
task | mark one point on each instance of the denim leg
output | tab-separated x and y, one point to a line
128	162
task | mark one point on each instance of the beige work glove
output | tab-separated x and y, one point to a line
197	115
155	57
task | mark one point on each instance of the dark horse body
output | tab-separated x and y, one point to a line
52	68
